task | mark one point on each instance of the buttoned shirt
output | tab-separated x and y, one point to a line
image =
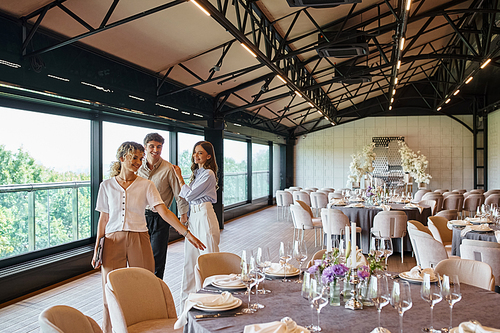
126	206
163	176
202	188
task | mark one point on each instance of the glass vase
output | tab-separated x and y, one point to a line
363	291
346	291
335	292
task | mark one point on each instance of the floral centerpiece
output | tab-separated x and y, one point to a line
362	163
414	164
375	265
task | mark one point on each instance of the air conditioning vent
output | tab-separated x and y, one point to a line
353	74
320	3
356	79
342	50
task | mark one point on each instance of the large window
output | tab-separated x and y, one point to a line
260	170
185	146
235	172
115	134
44	181
276	168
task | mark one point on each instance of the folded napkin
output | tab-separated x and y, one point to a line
276	268
412	205
338	202
481	227
475	327
360	259
203	300
497	235
286	325
356	205
385	208
231	280
418	273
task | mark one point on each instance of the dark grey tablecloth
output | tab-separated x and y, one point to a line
286	301
457	239
364	219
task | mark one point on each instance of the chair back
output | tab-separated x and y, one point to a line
391	224
334	195
415	228
295	188
439	229
490	192
438	197
453	201
461	191
419	194
287	198
318	255
473	201
62	318
215	263
302	219
279	198
327	189
431	203
477	191
475	273
302	196
484	251
324	192
493	199
311	189
318	200
440	191
334	221
429	252
449	214
136	295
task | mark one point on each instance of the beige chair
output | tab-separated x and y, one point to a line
391	224
475	273
439	229
431	203
449	214
461	191
484	251
65	319
286	201
295	188
334	222
490	192
215	263
318	255
493	199
472	202
334	195
453	201
279	204
303	219
441	191
311	189
139	302
438	197
318	200
427	250
477	191
327	189
419	194
302	196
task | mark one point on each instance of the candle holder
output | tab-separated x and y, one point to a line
354	303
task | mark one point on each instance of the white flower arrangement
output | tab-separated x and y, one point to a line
362	162
414	164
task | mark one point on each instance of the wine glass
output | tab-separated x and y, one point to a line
263	260
378	292
451	293
248	278
259	277
386	248
431	293
375	245
319	298
300	254
312	282
401	299
285	256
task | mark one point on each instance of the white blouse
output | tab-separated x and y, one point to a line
202	188
126	207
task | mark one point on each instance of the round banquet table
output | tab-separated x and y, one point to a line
484	236
364	219
286	301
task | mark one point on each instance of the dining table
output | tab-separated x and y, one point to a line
363	216
476	235
285	300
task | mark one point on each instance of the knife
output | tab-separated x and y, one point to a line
217	315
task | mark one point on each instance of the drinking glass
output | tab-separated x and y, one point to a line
285	256
300	254
376	246
263	259
248	278
259	277
386	248
312	281
319	299
431	293
401	299
451	293
378	292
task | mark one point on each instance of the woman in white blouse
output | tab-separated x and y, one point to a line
121	202
201	193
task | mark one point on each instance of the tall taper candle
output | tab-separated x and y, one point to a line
353	245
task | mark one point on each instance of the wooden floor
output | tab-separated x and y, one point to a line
261	228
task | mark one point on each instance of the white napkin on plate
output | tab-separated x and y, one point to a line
412	205
338	202
203	300
276	268
481	227
231	280
286	325
360	259
356	205
385	208
475	327
418	273
497	235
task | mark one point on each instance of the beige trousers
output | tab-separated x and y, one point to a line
122	249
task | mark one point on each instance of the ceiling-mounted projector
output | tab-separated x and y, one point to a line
320	3
346	47
353	75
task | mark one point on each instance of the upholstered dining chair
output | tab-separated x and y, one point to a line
427	250
279	204
472	202
334	222
439	229
419	194
295	188
431	203
490	192
318	255
286	201
215	263
303	219
493	199
139	302
477	191
441	191
318	200
312	189
328	189
475	273
334	195
484	251
453	201
302	196
449	214
438	197
459	191
390	224
63	319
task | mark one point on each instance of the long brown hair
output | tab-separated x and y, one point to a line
209	164
125	149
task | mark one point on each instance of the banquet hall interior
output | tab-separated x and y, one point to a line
364	108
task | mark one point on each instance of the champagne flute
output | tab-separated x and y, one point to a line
431	293
401	299
378	292
264	262
300	254
248	278
451	293
319	299
285	257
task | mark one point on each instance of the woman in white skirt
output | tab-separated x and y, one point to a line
201	193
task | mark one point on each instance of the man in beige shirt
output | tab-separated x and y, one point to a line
161	173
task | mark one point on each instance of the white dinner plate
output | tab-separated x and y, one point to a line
458	223
241	285
288	274
477	220
406	276
302	329
225	307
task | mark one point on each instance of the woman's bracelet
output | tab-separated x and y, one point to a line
185	233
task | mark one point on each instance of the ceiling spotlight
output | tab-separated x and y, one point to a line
390	107
456	92
485	63
264	88
447	101
297	93
439	109
468	80
215	68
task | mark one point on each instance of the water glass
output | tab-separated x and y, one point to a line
300	254
263	259
431	293
401	299
259	277
319	299
285	255
451	293
378	292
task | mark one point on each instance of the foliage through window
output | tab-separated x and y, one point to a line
235	172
